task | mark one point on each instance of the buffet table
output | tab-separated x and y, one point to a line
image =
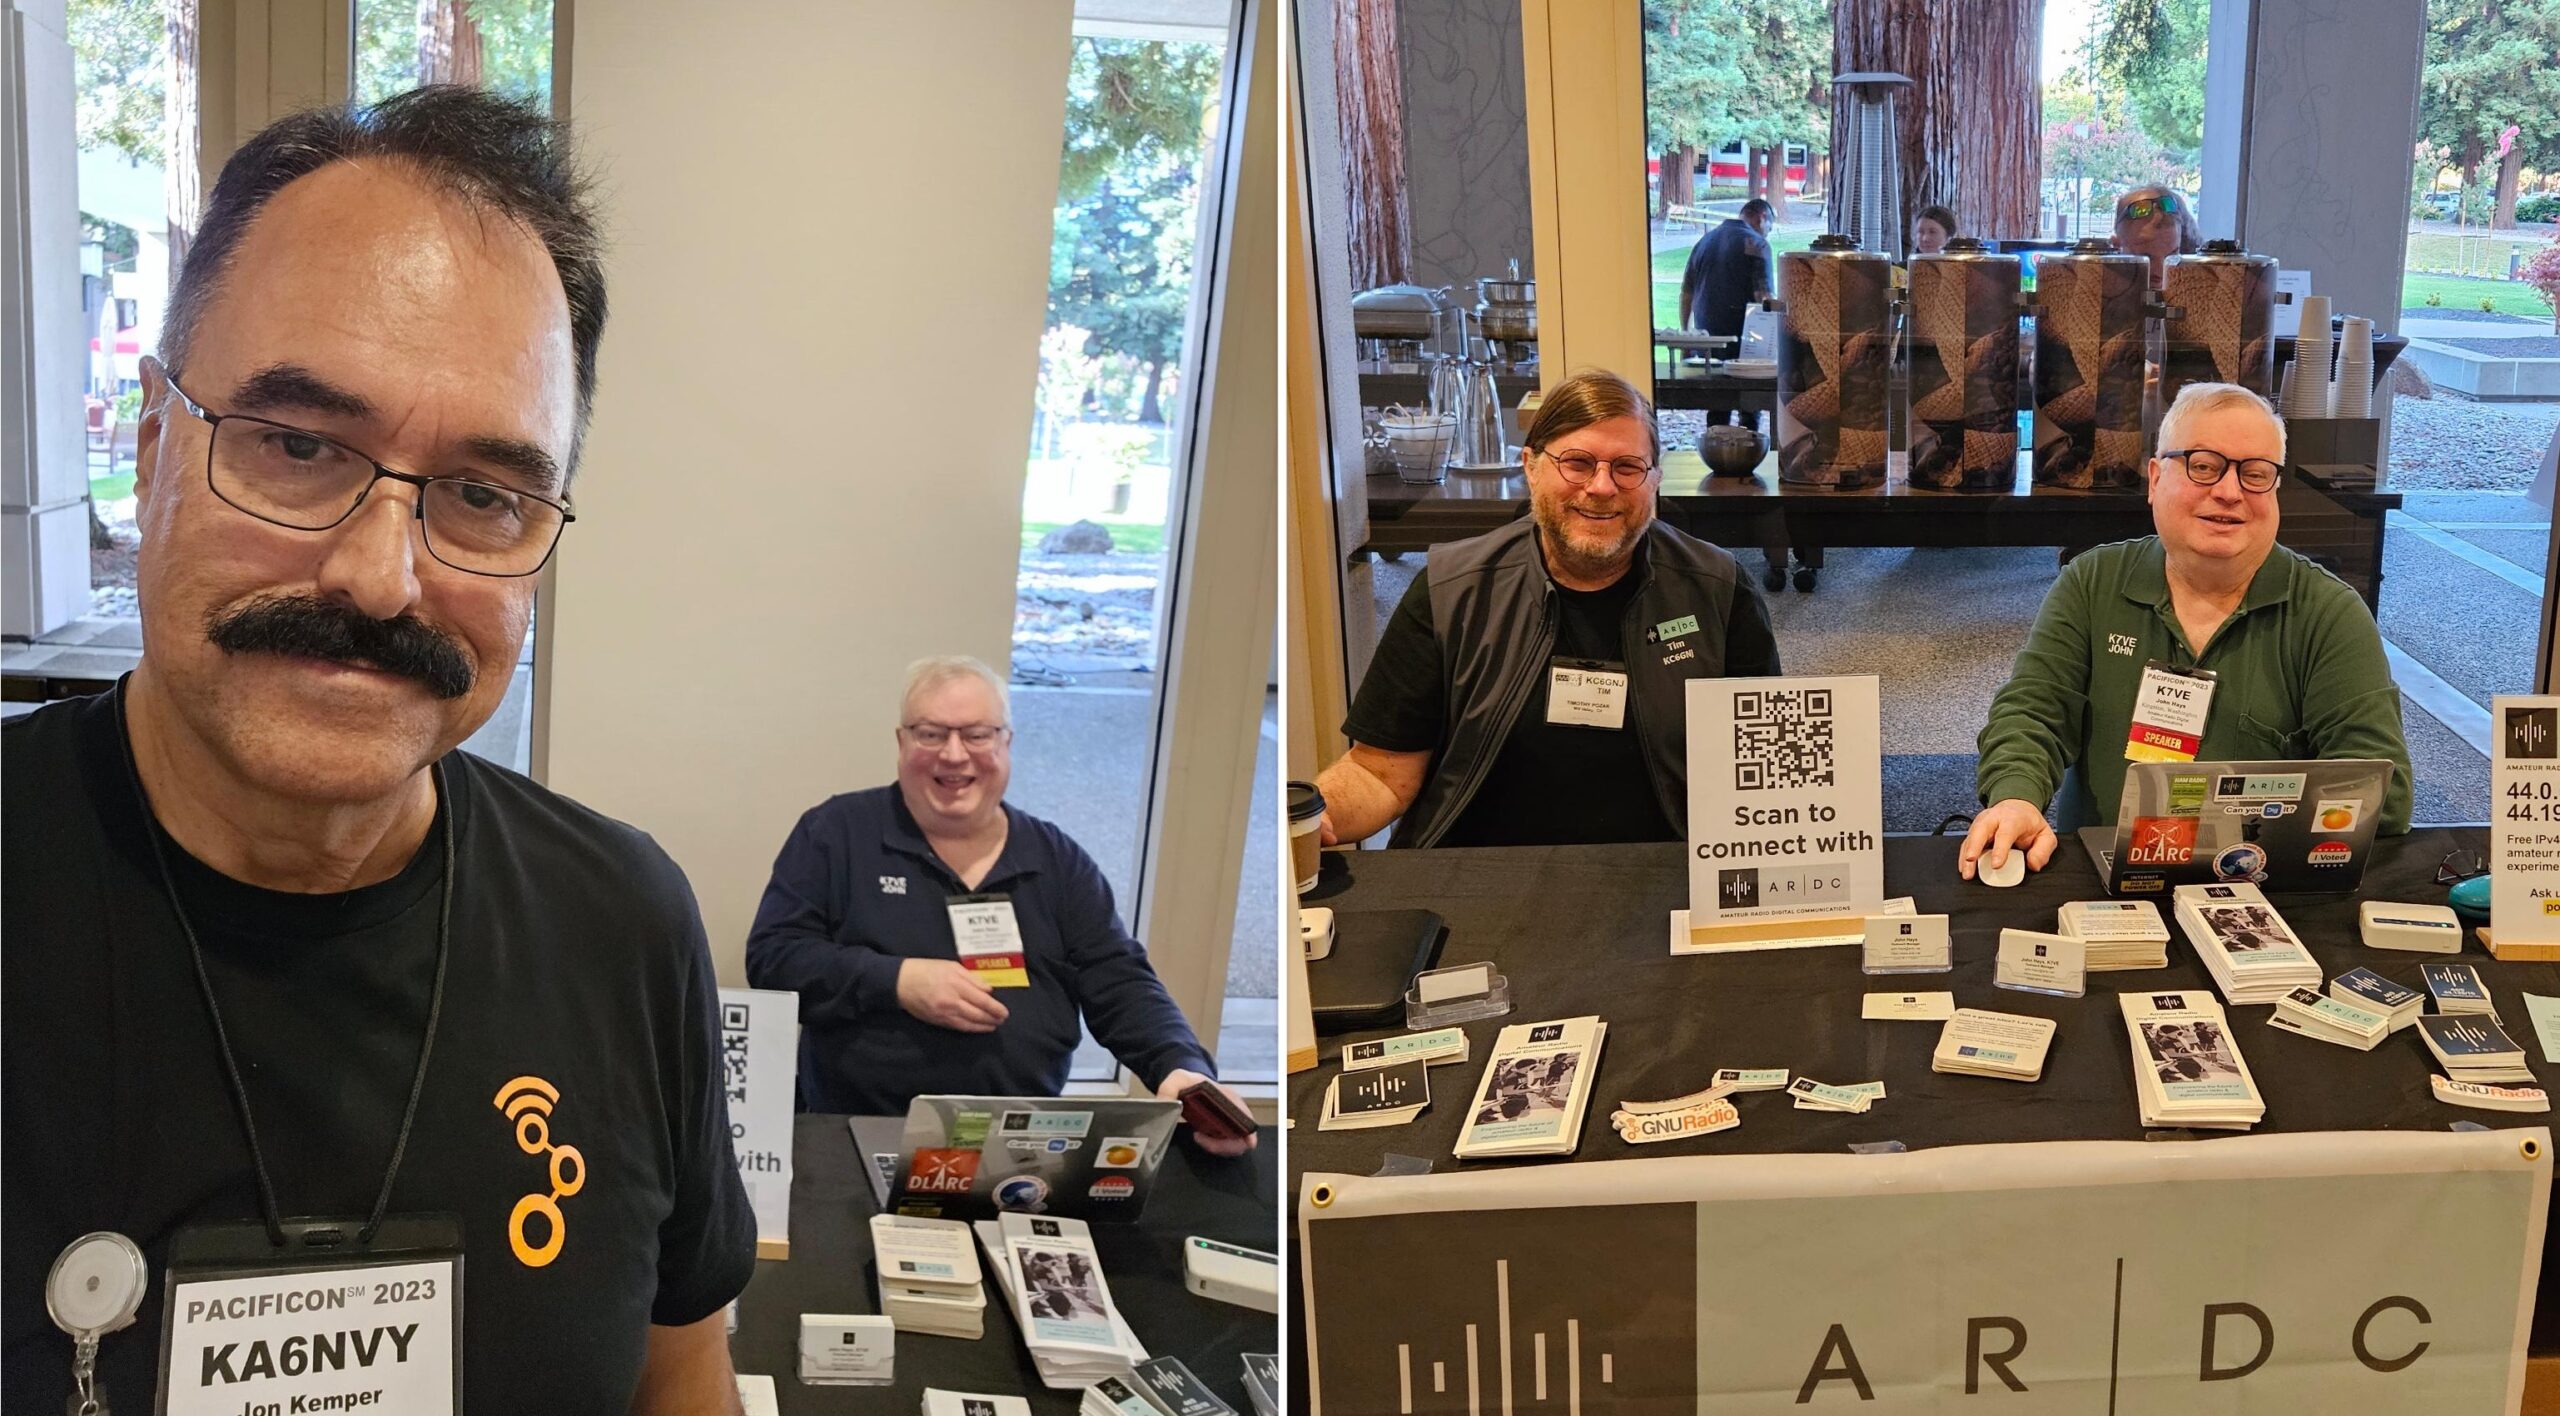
1583	930
830	1271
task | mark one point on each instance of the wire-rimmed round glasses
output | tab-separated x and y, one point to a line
298	479
1577	468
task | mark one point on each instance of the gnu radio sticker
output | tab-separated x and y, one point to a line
528	1102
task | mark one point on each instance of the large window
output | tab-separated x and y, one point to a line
1103	498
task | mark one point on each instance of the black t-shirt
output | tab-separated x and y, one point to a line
1551	783
577	958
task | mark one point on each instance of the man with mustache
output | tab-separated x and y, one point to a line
2298	663
1529	689
292	983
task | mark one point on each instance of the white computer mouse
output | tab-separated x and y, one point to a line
2002	876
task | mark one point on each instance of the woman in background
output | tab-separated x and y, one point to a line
1931	228
2156	222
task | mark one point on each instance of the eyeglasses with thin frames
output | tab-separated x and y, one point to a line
2205	467
1628	473
977	737
305	481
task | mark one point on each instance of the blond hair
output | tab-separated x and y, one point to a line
926	675
2197	399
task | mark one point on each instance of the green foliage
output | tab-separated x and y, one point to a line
2488	65
515	48
1128	198
1134	104
117	66
2541	207
1757	70
2435	299
2154	51
129	405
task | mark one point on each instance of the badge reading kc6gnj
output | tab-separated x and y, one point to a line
1586	693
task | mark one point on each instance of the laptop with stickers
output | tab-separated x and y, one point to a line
973	1157
2301	827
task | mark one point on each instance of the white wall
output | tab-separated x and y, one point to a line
829	266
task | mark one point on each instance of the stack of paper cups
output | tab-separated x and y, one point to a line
2354	395
2311	353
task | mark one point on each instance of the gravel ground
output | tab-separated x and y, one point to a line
2452	445
1087	607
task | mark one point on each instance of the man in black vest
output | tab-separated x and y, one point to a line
1530	689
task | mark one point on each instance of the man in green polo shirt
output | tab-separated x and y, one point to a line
2298	667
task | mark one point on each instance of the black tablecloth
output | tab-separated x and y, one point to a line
1584	929
830	1271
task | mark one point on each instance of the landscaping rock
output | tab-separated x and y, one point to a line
1082	538
2404	379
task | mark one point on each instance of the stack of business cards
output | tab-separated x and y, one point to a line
1855	1098
1536	1087
2489	1098
970	1403
2457	989
1053	1285
1380	1096
2251	952
1976	1043
1729	1080
929	1279
756	1395
847	1349
2121	934
2186	1065
2375	994
1262	1382
2317	1015
2473	1048
1435	1047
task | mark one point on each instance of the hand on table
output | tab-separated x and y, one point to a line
1182	1079
1324	830
2003	826
944	993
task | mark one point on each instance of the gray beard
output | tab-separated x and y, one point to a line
1577	558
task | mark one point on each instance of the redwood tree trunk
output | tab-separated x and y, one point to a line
2510	172
182	186
1750	172
1970	124
1774	172
1369	86
448	43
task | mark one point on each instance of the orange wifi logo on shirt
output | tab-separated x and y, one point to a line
528	1102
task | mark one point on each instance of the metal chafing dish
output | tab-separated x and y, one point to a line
1395	322
1507	314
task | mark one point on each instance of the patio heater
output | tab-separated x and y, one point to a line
1870	165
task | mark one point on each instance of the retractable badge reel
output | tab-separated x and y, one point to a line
95	1288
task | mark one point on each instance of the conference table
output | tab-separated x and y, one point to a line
1584	930
830	1271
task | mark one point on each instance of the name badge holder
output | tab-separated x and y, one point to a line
2169	712
327	1322
1446	997
1587	693
1907	944
94	1288
989	939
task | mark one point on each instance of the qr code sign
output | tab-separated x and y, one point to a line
1782	739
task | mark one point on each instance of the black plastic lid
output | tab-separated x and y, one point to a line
1305	802
1965	243
2220	246
2094	246
1833	241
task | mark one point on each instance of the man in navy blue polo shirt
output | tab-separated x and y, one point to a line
943	942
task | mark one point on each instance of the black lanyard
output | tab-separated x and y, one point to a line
213	1011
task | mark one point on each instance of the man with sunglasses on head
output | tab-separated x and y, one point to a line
1531	686
293	986
943	942
2299	672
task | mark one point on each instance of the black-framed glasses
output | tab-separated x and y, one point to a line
298	479
977	737
2205	468
1579	468
2460	866
2146	206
